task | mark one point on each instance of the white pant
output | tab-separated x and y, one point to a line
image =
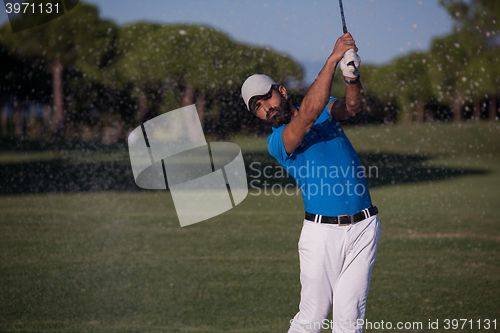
335	269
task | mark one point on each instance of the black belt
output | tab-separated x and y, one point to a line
343	219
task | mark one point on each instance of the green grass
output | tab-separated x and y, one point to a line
68	156
119	262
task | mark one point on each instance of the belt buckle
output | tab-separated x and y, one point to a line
346	215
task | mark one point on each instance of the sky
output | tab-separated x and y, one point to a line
305	30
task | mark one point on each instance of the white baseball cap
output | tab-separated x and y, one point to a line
255	85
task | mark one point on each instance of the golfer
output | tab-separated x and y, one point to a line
338	242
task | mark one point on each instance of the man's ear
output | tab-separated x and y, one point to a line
283	92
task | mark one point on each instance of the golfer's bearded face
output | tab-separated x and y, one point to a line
277	115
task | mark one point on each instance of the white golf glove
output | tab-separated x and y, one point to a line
349	71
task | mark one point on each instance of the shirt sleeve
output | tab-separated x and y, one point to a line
275	141
276	146
326	110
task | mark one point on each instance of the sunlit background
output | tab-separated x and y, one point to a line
306	30
84	249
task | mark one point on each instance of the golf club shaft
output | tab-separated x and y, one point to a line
344	26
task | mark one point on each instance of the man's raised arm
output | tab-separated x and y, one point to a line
353	102
317	97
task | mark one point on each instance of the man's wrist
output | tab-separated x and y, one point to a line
334	58
350	81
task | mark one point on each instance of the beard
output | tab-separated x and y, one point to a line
283	114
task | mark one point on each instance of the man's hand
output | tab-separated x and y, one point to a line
350	56
317	97
343	44
352	103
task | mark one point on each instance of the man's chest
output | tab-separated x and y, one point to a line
322	138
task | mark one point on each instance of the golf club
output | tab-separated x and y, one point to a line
351	65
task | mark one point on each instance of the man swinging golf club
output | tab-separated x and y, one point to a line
338	243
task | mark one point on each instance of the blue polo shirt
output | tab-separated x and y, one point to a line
325	167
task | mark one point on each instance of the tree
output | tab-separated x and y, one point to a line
413	84
477	45
23	79
381	91
477	16
78	38
196	63
483	78
450	57
138	64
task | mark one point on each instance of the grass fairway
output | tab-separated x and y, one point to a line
120	262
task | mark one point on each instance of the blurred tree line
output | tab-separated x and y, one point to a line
85	78
82	77
458	78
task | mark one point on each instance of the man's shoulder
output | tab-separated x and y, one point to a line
275	144
276	134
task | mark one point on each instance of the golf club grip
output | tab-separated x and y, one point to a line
351	64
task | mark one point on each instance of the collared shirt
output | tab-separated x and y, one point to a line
326	168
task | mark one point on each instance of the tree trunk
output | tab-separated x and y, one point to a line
493	108
142	107
458	104
420	111
405	112
18	118
191	122
200	106
188	96
476	110
56	69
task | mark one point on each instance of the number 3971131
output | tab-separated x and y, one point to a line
32	8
